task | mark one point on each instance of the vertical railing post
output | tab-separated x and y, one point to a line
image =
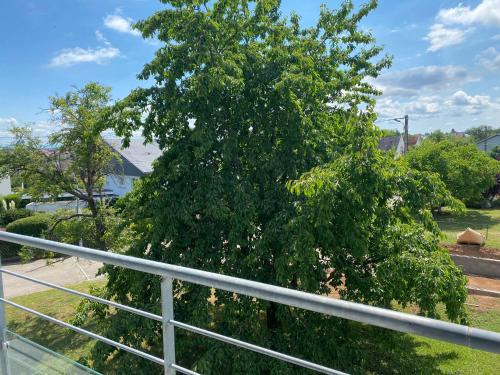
167	309
4	360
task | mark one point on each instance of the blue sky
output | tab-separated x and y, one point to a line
445	72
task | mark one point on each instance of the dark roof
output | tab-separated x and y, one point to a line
491	136
389	143
138	157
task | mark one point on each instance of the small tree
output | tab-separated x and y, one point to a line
77	159
467	172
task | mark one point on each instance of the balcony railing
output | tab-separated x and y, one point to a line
435	329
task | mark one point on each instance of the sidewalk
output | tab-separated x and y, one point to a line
61	272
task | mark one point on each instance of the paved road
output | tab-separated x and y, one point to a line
62	272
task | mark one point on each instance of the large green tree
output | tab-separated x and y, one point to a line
467	172
75	160
244	103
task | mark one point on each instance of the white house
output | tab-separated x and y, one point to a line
489	143
5	187
64	201
136	161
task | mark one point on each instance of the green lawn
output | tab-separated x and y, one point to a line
485	221
455	359
59	305
387	354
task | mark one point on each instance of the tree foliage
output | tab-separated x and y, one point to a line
479	133
439	136
75	161
270	101
467	172
495	153
8	216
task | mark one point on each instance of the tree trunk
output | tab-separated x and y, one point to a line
272	321
99	225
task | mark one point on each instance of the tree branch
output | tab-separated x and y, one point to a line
59	221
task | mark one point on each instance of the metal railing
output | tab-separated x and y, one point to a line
435	329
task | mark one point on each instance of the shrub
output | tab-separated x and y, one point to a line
7	217
33	226
8	250
30	226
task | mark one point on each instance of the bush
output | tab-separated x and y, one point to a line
8	250
7	217
30	226
33	226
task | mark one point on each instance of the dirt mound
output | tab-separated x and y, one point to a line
473	251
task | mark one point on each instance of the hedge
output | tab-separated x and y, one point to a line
30	226
7	217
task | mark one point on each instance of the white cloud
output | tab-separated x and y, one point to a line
441	36
101	38
8	121
460	102
410	82
5	124
422	106
72	56
405	27
457	104
121	24
496	37
485	13
490	58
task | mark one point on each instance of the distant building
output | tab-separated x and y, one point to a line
394	142
5	187
136	161
489	143
415	140
458	134
64	201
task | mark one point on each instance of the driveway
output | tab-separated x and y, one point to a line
63	271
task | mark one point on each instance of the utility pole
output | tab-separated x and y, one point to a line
406	134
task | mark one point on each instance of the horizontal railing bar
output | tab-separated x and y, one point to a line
183	370
462	335
86	333
258	349
85	295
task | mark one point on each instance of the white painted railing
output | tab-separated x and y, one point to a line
436	329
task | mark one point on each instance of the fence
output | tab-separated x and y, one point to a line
435	329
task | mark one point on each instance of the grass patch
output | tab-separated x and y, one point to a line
486	222
456	359
384	353
57	304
